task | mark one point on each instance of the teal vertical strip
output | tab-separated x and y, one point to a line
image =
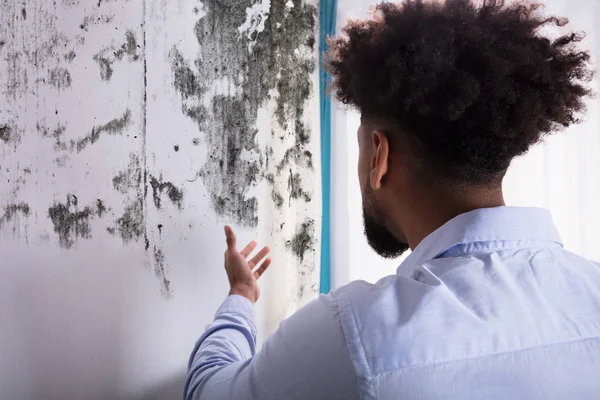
327	19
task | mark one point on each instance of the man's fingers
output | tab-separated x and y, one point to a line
248	249
230	237
261	270
257	258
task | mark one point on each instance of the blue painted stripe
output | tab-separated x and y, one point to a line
327	19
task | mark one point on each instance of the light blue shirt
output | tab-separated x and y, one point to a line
489	306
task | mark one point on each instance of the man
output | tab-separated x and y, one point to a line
488	305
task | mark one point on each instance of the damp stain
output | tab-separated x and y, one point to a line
249	51
303	241
160	188
72	222
161	274
106	58
60	78
11	211
114	127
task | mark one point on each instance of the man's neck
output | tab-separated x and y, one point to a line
431	211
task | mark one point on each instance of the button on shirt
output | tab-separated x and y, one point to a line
488	306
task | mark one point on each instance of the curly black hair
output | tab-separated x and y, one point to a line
474	84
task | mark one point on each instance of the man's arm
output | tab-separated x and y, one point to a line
307	358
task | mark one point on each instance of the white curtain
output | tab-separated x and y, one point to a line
562	174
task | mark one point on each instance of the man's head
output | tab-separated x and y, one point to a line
449	94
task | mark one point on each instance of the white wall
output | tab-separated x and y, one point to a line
562	174
85	308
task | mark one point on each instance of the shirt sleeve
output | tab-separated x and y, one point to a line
306	358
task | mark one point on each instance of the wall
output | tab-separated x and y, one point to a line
130	132
562	174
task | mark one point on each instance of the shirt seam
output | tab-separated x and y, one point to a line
429	364
369	376
339	320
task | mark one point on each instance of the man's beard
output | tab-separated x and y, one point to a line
379	237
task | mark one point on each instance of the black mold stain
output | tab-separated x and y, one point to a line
295	188
131	178
5	133
56	134
107	57
60	78
12	210
71	223
277	198
131	226
70	56
96	19
160	226
196	141
100	207
159	187
24	13
114	127
105	65
254	66
176	148
160	273
303	241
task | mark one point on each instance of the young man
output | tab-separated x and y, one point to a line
488	305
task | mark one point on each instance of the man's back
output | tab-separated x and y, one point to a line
488	306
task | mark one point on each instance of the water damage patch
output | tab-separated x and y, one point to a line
248	50
71	222
109	55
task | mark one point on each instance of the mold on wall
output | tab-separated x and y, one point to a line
258	48
72	222
66	94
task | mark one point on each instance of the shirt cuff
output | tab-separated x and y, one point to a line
241	306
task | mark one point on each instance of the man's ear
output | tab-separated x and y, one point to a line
379	161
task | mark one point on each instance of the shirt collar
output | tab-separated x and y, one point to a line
485	225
